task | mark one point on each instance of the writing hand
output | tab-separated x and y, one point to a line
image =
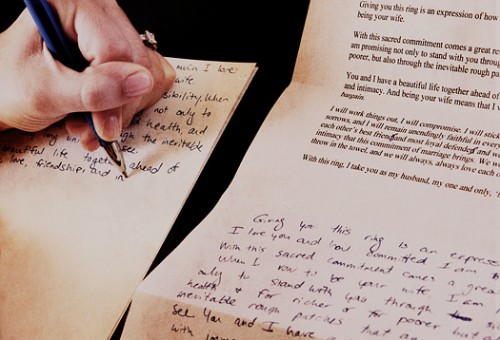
124	76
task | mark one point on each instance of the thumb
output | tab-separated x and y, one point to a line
106	86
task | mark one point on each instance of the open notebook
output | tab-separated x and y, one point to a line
76	238
368	205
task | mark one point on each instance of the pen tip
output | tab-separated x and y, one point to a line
124	173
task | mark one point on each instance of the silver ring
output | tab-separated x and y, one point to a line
149	40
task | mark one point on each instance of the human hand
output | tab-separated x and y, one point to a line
124	76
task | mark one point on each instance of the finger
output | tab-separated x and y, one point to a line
98	88
88	140
104	33
164	76
108	123
76	125
113	84
130	110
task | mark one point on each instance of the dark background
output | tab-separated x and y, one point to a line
224	31
265	32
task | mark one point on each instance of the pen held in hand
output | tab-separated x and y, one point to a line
68	53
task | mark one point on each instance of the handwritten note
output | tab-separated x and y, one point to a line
274	275
76	238
364	208
179	122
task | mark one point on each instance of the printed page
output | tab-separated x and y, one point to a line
76	238
368	205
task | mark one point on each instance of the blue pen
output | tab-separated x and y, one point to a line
68	53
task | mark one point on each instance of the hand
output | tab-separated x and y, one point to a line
124	76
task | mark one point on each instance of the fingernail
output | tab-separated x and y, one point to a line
137	83
112	128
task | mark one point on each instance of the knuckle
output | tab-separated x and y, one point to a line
169	76
118	50
166	77
143	58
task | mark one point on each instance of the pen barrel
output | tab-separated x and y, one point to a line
69	54
49	26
